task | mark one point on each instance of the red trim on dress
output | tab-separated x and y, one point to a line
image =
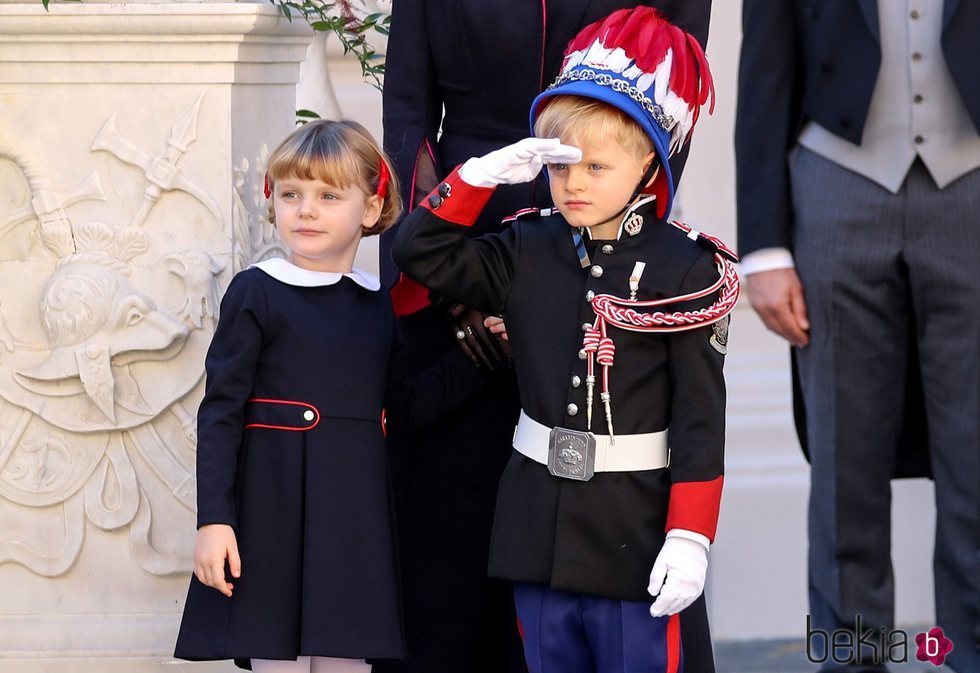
307	405
694	506
462	204
673	643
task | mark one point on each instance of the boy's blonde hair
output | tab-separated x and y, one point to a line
339	153
588	119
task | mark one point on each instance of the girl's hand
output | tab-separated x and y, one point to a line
215	543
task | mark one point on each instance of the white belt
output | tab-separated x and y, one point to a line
630	453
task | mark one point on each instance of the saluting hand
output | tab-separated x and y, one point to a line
517	163
215	543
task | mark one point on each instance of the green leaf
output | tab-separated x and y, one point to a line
310	114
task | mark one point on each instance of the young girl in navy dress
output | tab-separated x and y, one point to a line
295	566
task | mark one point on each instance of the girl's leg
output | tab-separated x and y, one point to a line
333	665
301	665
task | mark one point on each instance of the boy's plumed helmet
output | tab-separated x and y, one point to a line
650	69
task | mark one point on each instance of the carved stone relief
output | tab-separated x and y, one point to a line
102	344
255	238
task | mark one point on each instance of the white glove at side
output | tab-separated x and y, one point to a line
678	574
517	163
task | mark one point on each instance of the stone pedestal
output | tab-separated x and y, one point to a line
132	147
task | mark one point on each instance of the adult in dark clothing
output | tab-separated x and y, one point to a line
471	69
858	188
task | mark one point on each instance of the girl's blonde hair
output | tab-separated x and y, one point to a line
588	119
339	153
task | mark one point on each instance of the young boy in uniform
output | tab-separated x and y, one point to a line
617	322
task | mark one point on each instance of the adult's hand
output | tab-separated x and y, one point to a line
777	296
517	163
475	339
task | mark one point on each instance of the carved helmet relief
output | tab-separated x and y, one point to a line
103	332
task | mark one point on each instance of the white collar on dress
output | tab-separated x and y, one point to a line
287	272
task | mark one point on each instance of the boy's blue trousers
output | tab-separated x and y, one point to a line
575	633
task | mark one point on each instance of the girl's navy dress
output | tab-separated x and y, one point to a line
291	454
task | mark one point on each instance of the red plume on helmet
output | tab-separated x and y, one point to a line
638	62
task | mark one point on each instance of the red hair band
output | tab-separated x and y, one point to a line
267	188
384	177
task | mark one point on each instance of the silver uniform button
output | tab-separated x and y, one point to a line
308	415
589	296
607	249
582	354
576	381
586	326
572	409
596	271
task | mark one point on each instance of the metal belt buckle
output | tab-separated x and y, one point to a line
571	454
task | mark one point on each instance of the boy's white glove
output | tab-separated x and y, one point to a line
678	573
517	163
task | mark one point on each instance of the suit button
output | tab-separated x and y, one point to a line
576	381
917	98
589	296
914	14
582	354
596	271
308	415
572	409
919	140
607	249
845	122
916	56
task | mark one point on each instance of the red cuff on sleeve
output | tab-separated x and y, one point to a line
457	202
408	297
694	506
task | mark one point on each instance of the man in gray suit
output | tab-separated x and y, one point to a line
859	229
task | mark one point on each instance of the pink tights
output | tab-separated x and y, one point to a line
311	665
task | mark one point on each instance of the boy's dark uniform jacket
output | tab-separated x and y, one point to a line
599	537
809	60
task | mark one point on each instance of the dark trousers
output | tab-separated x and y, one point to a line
574	633
457	620
883	273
